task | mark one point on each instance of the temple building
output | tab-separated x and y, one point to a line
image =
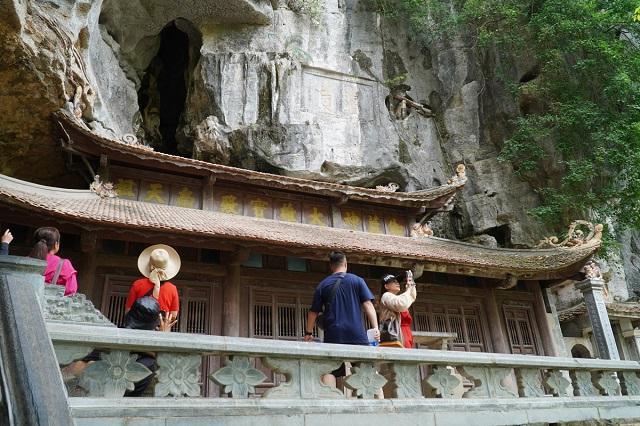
254	246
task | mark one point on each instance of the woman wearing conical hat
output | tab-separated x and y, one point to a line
158	263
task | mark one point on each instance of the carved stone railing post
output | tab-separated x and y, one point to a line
591	289
178	375
303	378
487	382
556	381
629	382
441	382
32	387
581	381
238	377
403	381
115	373
365	380
529	382
606	382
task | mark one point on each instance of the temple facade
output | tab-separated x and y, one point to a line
254	246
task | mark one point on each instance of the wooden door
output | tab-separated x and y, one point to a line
464	319
521	330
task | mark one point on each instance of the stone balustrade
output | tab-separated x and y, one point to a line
513	381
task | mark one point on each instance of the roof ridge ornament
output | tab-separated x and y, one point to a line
102	189
131	139
575	236
390	187
460	176
421	230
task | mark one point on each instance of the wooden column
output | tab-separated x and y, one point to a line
231	293
541	317
87	276
498	337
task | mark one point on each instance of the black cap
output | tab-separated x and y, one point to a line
144	314
389	279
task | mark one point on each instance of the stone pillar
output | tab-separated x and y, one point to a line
631	339
30	271
31	381
591	289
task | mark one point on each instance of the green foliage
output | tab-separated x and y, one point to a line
399	79
582	147
311	8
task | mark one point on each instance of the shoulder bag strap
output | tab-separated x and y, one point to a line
56	275
333	291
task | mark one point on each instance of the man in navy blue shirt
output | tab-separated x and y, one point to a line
343	319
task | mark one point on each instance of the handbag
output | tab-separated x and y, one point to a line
389	331
320	318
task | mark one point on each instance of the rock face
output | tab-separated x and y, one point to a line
260	85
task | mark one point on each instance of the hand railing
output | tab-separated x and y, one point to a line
179	360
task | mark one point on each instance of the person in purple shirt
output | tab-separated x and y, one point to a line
342	315
58	271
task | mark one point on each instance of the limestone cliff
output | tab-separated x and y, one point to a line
267	86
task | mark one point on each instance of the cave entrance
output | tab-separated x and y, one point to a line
164	88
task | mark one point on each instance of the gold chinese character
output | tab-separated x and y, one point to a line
395	228
317	217
374	224
288	212
124	188
228	204
155	193
185	198
352	220
259	206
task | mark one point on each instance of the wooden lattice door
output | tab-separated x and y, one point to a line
466	320
521	330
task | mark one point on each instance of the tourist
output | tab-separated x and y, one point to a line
58	271
394	307
5	240
158	263
145	314
341	308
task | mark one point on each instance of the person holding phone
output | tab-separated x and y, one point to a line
395	306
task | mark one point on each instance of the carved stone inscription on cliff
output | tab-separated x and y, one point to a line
343	105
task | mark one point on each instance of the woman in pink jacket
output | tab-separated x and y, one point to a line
59	271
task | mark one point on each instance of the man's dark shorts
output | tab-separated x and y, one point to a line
342	370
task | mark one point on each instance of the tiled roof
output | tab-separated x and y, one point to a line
614	309
83	140
85	207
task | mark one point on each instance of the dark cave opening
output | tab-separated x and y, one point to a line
163	91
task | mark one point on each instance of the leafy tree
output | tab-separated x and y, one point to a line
588	128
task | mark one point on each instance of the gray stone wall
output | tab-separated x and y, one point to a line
269	89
